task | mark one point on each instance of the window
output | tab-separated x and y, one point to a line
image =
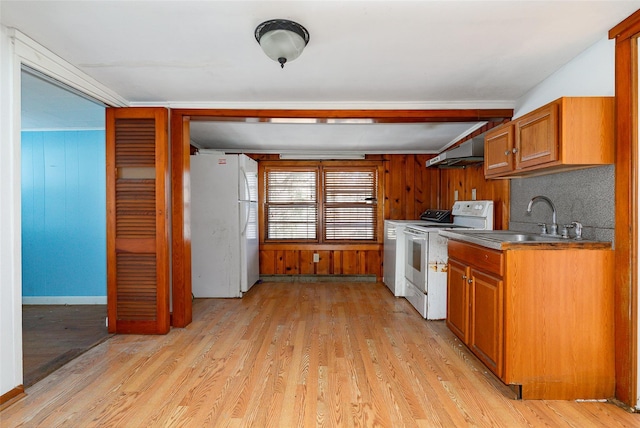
322	203
291	204
350	199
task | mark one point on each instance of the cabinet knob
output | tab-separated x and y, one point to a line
514	150
469	280
506	152
464	276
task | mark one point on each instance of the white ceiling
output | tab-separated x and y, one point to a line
361	54
326	138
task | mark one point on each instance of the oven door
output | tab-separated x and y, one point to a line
415	257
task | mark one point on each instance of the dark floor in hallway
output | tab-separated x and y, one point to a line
53	335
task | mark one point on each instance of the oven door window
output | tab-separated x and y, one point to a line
416	254
415	249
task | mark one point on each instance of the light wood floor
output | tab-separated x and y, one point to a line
293	355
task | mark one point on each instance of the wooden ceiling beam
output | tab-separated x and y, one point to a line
374	116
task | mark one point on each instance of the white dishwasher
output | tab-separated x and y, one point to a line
394	243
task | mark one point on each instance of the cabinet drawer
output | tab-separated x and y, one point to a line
483	258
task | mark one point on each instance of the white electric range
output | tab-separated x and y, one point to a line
425	256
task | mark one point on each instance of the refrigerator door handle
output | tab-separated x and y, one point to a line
246	217
246	199
246	185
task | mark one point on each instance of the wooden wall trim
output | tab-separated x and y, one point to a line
9	397
479	131
626	226
319	247
626	29
180	229
377	116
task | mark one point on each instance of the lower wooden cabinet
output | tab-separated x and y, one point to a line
458	299
541	319
474	312
486	320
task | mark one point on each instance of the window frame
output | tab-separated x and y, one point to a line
326	205
352	165
264	203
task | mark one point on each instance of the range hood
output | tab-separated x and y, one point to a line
468	153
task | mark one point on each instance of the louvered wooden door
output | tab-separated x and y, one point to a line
137	226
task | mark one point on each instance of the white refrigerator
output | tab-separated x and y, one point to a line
224	224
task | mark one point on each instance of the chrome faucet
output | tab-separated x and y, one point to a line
578	228
554	226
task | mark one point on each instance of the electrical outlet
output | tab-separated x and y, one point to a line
473	194
316	257
455	195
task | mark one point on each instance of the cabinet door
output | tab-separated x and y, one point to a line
537	137
498	156
458	299
486	323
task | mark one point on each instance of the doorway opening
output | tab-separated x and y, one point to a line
63	215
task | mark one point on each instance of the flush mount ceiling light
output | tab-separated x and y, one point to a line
282	40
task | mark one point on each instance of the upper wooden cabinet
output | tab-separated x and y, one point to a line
569	133
498	151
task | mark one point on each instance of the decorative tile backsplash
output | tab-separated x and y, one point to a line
586	196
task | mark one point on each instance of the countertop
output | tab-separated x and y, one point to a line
485	239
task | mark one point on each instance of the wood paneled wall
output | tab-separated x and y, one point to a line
464	180
409	189
285	259
472	177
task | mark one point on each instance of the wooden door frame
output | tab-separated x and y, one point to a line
180	167
626	197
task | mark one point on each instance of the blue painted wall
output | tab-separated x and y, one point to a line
63	213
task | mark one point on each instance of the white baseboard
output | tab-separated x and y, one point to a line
64	300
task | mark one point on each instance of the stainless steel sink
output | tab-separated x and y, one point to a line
514	236
496	238
499	239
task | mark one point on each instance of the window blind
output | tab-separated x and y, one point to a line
350	204
291	204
